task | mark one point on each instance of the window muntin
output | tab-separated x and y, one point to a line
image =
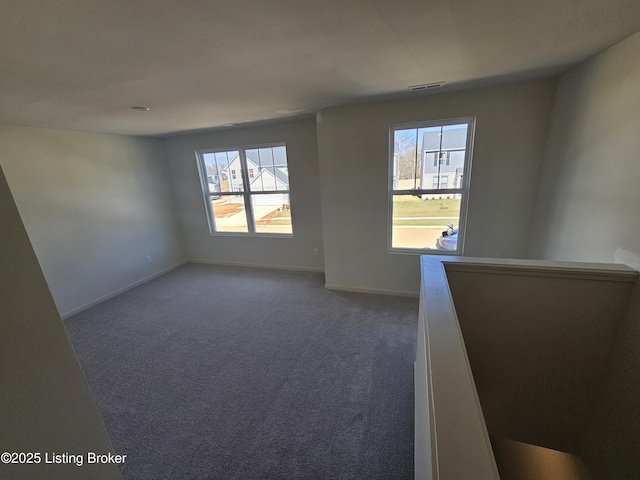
429	170
246	190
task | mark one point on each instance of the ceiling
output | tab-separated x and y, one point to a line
200	64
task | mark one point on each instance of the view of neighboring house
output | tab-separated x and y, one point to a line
267	171
429	158
443	154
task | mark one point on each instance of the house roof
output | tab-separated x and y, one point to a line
452	138
279	171
280	175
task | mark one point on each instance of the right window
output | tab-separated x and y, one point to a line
429	169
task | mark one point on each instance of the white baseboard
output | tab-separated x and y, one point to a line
259	265
397	293
121	290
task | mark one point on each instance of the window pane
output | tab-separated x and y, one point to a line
282	176
229	213
280	156
265	155
212	172
270	169
229	168
406	159
419	221
443	150
272	213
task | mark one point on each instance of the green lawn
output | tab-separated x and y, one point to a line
447	210
280	221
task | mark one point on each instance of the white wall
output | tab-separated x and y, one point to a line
94	206
589	194
511	130
45	405
302	155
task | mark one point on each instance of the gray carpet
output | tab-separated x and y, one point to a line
213	372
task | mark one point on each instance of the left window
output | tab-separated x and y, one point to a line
246	190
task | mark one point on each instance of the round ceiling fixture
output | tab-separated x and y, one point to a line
141	109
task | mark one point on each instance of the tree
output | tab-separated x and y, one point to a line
409	158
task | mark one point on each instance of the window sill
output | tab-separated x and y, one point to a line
416	251
251	235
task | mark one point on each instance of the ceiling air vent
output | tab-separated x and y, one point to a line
426	86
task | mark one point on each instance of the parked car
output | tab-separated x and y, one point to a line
449	239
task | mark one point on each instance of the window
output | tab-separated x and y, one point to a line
440	158
440	182
429	171
252	193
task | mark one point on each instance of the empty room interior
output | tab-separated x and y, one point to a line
225	235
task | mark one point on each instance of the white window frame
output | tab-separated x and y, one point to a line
246	191
463	190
